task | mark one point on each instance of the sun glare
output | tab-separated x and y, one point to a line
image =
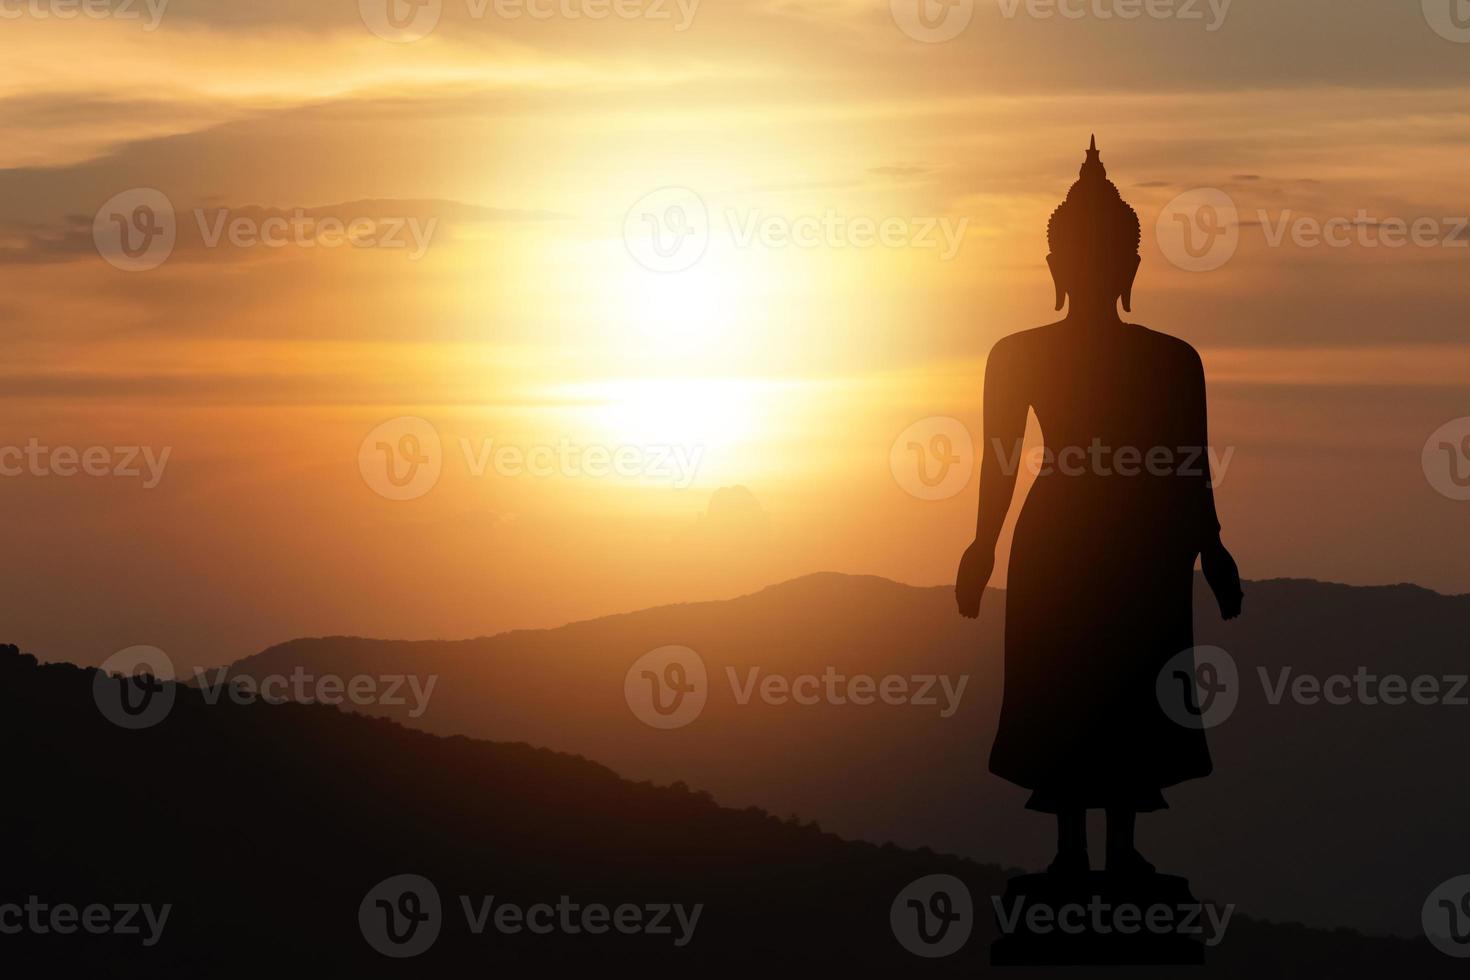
713	411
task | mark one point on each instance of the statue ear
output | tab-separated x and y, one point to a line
1056	281
1132	274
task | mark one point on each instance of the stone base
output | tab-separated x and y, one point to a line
1085	919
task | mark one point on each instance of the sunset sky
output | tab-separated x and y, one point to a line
786	357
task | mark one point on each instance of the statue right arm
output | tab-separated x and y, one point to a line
1003	426
1000	450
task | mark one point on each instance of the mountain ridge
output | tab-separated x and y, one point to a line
1349	771
260	810
800	581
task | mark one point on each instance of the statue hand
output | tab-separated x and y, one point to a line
1223	578
975	568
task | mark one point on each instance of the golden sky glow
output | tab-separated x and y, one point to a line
523	318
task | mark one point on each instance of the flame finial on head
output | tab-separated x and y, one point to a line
1092	167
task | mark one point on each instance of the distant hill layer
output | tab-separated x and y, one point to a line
1331	814
267	828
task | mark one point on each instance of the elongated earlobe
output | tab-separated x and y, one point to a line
1128	286
1056	281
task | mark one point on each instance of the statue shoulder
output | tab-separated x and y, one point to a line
1176	347
1022	342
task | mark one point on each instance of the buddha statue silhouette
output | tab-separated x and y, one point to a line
1099	590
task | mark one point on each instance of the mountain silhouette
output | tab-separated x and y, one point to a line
268	828
1331	815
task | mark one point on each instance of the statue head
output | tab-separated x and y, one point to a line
1093	236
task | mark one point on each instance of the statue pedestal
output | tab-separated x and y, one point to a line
1098	918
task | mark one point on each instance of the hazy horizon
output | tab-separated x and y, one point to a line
186	664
